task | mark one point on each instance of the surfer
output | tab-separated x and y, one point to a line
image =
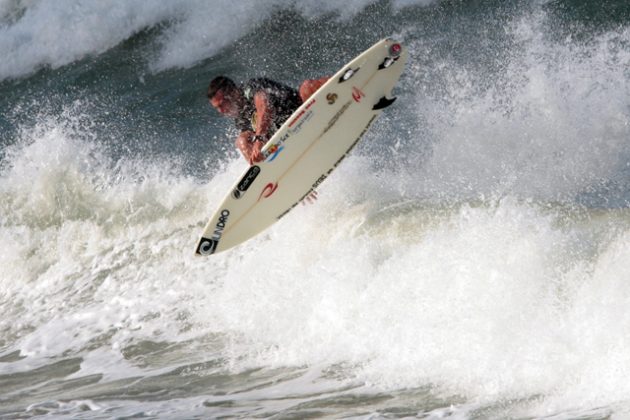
259	107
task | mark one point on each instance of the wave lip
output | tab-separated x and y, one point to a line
55	34
58	33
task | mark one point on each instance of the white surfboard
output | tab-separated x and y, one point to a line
307	148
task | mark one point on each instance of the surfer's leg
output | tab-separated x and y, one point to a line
310	86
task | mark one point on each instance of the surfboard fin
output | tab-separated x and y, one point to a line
383	103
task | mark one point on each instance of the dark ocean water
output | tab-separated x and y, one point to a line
470	259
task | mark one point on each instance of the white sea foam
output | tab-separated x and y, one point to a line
496	301
553	124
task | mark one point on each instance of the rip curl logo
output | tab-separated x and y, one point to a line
357	94
331	98
207	246
268	190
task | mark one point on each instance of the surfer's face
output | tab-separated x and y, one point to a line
224	103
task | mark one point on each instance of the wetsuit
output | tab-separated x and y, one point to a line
283	101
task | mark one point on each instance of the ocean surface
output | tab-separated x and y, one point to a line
469	260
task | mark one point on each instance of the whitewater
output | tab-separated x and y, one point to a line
470	258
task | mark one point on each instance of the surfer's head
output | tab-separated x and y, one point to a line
224	95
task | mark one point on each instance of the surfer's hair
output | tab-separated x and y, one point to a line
221	83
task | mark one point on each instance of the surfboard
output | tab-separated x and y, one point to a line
307	147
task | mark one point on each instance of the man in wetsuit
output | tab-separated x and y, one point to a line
259	107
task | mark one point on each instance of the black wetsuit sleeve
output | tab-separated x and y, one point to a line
283	100
244	121
243	124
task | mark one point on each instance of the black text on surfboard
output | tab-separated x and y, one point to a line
207	246
246	181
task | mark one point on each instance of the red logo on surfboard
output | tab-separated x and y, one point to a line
357	94
268	190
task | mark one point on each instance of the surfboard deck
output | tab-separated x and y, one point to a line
307	147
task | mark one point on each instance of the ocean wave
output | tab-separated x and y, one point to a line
482	300
474	245
38	33
550	122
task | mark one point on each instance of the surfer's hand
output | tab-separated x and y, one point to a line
250	149
256	154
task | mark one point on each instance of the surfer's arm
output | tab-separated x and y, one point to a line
264	114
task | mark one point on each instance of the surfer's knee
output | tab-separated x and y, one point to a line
306	90
310	86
